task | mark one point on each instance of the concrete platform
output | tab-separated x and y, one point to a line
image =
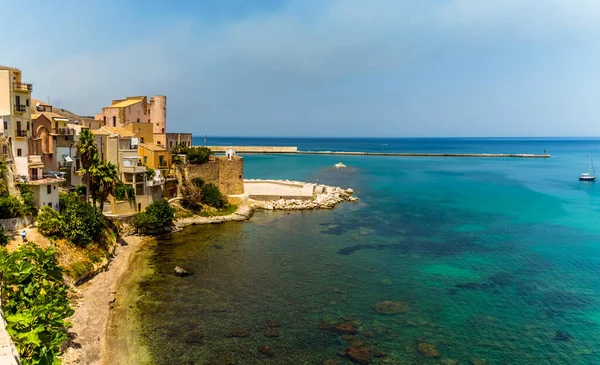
267	190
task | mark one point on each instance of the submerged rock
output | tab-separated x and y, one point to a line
476	361
266	350
389	307
179	271
272	323
428	350
331	362
359	355
239	332
346	328
271	332
562	336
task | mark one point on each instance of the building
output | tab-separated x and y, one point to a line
136	109
172	139
226	172
120	147
142	131
155	157
44	186
15	117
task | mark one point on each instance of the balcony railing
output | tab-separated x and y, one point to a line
63	131
20	108
20	86
21	133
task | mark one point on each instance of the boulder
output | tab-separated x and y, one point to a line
359	355
428	350
346	328
349	191
390	308
179	271
272	323
266	350
271	332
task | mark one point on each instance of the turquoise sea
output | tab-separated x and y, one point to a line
498	261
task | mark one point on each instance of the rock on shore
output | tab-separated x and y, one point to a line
328	198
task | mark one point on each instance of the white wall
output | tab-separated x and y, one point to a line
43	198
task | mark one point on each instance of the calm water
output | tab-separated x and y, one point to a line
497	259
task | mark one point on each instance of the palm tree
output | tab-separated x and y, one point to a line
87	152
105	176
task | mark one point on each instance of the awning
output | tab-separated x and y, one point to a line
35	166
68	159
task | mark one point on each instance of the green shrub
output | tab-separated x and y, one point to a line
10	207
124	192
50	222
198	182
29	206
83	223
35	303
80	190
149	172
211	196
157	215
191	197
67	199
3	236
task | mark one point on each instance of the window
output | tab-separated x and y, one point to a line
50	205
27	102
145	159
17	100
141	139
161	160
138	120
163	130
77	165
27	125
49	189
4	150
105	120
18	125
6	125
171	144
19	152
114	121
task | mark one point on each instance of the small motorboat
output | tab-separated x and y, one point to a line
339	165
588	176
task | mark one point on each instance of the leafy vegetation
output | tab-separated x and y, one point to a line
105	177
197	182
230	209
29	206
124	192
35	303
157	215
3	236
149	173
211	196
83	223
80	190
191	197
87	152
3	179
195	155
10	207
50	222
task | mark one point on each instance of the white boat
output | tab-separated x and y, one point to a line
339	165
588	176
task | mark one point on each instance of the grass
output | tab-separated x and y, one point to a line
214	213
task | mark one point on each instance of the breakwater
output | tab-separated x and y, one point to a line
294	150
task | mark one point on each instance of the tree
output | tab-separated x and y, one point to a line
83	223
50	223
211	196
105	177
87	152
3	236
157	215
3	179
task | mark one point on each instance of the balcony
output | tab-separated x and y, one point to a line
34	160
21	133
20	86
63	131
20	108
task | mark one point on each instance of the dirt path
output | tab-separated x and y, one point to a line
94	305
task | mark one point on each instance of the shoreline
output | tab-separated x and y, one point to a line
101	296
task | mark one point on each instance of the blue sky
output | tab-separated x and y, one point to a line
405	68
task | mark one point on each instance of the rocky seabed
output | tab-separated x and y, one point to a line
328	199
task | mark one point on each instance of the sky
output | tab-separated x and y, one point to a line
320	68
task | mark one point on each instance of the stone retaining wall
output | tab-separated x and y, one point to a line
8	352
14	224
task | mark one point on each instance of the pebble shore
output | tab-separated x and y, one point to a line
327	198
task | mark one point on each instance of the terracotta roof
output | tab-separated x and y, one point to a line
125	103
48	115
153	147
48	180
106	131
36	102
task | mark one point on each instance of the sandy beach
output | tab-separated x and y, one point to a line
93	307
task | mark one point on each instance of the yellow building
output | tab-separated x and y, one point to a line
143	131
155	157
15	117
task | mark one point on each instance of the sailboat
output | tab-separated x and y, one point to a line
588	176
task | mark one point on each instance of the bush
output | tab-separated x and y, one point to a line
211	196
67	199
3	236
191	197
83	223
29	206
10	207
124	192
80	190
157	215
50	223
35	303
198	182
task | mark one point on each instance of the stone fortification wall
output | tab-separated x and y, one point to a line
13	224
227	175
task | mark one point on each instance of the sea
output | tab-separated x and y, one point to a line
491	260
